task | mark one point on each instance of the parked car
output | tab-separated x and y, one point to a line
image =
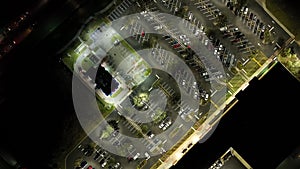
83	164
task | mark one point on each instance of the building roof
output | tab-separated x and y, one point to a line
230	160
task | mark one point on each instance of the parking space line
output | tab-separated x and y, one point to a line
214	104
122	5
114	15
256	62
125	4
120	9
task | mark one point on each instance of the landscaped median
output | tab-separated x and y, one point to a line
256	61
244	72
235	83
104	107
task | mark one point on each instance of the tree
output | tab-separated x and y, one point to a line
147	72
140	101
241	3
267	37
183	12
106	132
291	62
146	43
210	33
159	116
222	20
144	128
77	162
153	41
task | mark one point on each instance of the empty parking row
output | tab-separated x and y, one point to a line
118	11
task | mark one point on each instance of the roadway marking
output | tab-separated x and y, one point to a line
256	62
214	104
214	93
244	71
244	76
273	64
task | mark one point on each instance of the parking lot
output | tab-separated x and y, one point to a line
238	46
237	41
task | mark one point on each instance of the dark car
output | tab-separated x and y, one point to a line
261	25
251	15
102	161
262	35
257	21
83	164
97	156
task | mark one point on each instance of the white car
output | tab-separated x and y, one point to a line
206	96
197	32
219	76
157	27
196	95
204	73
117	42
151	136
194	85
182	36
245	11
104	164
136	156
206	42
167	124
187	43
143	12
161	125
183	82
117	165
147	156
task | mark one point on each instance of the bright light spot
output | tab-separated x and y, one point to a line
178	155
195	139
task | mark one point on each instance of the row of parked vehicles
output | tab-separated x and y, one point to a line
100	156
